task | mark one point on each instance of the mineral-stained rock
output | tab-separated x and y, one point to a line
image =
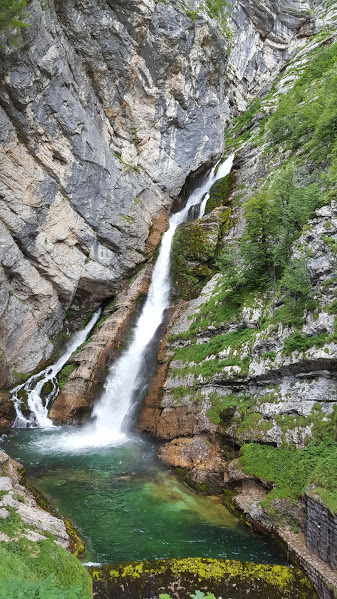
181	577
203	461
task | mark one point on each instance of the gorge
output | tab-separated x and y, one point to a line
115	116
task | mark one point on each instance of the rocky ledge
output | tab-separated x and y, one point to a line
17	502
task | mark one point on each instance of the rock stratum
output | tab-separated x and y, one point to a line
108	112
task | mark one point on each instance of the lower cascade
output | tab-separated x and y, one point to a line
33	387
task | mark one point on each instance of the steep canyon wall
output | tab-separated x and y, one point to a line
105	110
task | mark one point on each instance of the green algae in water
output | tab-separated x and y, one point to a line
127	506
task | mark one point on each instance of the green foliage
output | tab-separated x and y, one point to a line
31	564
12	13
301	343
199	351
219	404
291	471
306	117
244	119
44	589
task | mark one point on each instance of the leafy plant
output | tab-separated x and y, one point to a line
45	589
12	15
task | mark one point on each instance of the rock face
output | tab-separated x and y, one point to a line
105	109
194	250
239	367
38	524
92	361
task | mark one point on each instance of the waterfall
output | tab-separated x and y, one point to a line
38	406
113	407
218	172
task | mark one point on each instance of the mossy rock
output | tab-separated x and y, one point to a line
220	192
47	388
64	374
180	577
194	251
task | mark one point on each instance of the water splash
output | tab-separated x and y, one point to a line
32	388
113	407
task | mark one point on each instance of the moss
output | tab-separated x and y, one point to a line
64	374
194	251
76	546
222	577
220	192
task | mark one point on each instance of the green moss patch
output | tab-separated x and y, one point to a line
226	578
220	192
194	250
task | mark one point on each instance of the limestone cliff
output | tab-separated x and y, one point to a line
105	109
246	389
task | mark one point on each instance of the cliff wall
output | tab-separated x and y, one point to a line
105	109
246	390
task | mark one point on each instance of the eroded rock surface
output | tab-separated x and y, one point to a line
38	524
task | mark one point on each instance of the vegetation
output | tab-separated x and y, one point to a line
65	373
292	471
12	14
25	571
262	270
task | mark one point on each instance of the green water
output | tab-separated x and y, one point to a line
127	506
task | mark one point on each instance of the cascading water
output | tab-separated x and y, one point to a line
32	388
218	172
114	405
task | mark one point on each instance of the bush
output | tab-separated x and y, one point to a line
31	565
12	13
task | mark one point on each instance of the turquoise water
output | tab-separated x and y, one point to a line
127	506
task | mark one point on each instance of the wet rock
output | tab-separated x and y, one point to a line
181	577
194	252
37	523
202	460
94	358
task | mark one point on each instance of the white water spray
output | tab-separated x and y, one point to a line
121	383
33	386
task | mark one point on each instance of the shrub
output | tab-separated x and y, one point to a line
12	13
